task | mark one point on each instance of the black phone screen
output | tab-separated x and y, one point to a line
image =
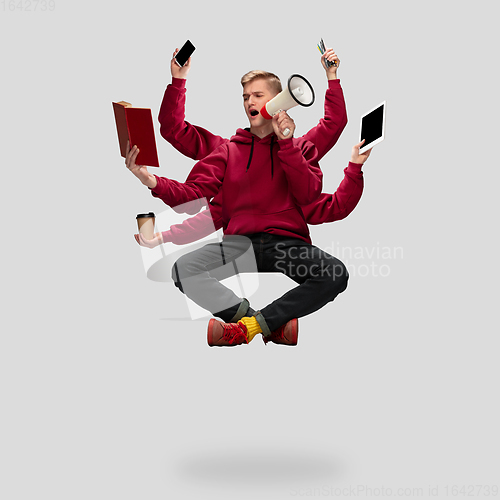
185	53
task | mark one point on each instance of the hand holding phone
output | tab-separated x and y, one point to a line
178	71
184	54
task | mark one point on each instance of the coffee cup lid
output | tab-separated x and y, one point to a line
143	216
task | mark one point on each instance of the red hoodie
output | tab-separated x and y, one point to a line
263	183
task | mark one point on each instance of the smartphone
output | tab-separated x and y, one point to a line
185	53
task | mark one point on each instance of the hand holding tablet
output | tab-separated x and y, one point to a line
372	127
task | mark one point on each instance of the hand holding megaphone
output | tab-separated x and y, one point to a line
297	91
283	125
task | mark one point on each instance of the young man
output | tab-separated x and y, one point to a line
265	178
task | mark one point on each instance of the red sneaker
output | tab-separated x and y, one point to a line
226	334
287	334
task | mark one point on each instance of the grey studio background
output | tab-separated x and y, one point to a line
393	388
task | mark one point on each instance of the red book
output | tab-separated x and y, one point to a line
136	126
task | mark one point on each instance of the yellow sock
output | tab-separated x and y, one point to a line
252	325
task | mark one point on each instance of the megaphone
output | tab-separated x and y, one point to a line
297	91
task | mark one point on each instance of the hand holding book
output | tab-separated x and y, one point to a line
140	171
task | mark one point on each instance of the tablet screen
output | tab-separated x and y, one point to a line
372	127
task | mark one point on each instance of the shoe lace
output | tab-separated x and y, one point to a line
234	332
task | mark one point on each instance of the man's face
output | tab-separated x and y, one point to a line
255	95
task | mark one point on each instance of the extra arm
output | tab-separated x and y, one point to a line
195	228
204	181
190	140
337	206
326	134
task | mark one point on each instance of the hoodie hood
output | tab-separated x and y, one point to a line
244	136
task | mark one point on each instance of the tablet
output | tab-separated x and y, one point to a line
372	127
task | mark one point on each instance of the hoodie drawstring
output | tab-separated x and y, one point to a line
251	154
272	161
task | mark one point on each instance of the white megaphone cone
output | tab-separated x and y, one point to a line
297	91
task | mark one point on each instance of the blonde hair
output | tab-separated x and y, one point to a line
271	78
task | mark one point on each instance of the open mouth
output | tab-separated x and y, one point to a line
253	112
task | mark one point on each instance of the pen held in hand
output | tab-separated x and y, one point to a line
328	63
